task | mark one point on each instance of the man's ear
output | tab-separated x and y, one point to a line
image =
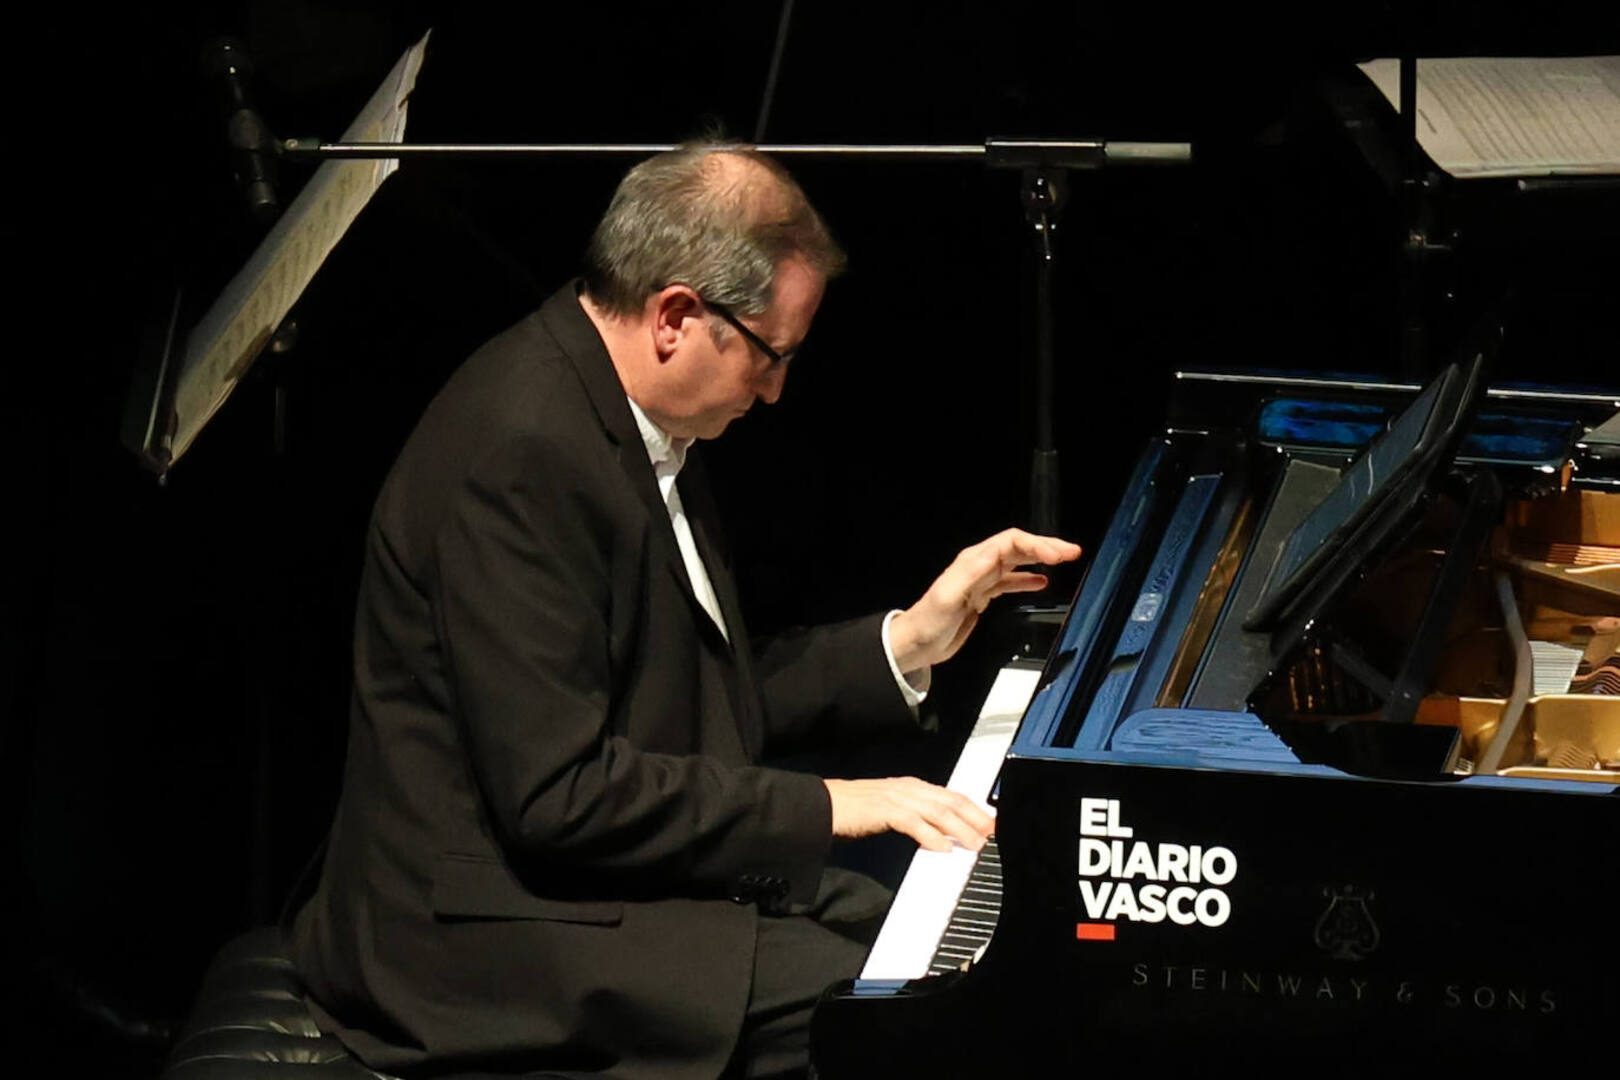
676	311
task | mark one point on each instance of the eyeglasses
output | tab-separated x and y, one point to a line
751	337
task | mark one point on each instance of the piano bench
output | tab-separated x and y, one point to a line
249	1022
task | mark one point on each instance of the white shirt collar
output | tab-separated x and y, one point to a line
662	448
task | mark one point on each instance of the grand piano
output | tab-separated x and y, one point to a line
1320	770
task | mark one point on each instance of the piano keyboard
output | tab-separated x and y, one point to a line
973	920
927	930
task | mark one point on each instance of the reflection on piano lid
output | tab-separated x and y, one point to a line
1257	846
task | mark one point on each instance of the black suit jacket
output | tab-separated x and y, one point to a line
553	839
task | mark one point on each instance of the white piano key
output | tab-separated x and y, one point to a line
928	893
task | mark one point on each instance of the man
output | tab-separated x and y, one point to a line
555	851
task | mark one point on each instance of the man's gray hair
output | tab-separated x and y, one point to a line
715	217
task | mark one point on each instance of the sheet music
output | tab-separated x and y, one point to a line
230	335
922	905
1514	116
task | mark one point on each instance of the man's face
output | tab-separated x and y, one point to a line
711	385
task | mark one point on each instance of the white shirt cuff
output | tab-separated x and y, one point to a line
913	684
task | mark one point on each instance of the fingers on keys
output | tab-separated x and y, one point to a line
936	817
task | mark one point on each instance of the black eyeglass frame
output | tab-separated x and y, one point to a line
751	337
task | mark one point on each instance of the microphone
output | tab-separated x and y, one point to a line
227	65
1084	154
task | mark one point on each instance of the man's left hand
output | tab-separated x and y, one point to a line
934	628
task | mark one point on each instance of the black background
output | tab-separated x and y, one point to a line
175	662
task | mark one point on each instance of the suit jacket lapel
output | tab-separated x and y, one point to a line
704	518
573	330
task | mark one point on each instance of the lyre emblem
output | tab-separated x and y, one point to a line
1346	930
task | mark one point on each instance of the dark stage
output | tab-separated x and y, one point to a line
175	672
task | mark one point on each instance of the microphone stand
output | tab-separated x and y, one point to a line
1426	242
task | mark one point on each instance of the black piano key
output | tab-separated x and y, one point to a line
974	918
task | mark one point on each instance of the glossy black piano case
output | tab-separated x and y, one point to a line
1342	924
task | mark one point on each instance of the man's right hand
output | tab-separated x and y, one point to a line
931	815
